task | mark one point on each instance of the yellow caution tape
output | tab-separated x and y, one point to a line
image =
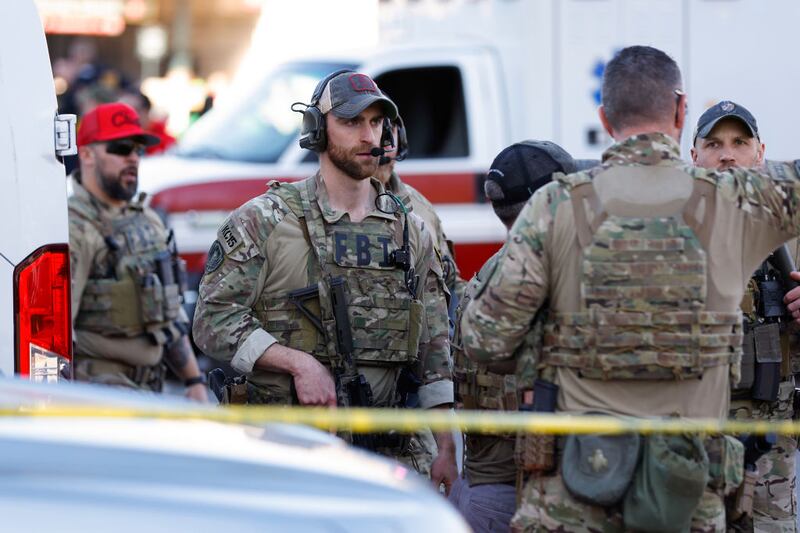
409	420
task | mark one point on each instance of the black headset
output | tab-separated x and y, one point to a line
313	132
402	140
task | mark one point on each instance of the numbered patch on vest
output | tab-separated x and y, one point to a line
215	257
362	250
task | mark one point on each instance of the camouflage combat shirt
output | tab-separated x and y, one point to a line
753	213
273	258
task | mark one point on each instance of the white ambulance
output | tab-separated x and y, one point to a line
35	321
471	77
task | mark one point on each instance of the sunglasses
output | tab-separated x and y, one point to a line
124	147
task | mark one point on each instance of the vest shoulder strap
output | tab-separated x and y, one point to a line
583	196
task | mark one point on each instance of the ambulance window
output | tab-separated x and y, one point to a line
431	102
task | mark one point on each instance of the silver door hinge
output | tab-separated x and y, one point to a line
65	128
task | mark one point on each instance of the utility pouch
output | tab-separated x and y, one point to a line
768	355
748	360
179	271
163	263
151	299
228	390
172	302
599	468
770	301
416	312
536	452
668	484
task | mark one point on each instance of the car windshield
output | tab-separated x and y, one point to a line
260	125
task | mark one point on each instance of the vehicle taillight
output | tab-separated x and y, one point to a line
43	330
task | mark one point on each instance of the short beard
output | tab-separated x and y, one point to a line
347	163
113	187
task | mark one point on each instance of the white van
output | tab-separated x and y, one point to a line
471	77
34	254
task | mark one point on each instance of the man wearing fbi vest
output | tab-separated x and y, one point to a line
325	291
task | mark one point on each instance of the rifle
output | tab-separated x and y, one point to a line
772	285
352	388
782	261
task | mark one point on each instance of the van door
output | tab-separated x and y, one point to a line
33	203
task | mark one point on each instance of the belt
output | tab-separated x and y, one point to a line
150	376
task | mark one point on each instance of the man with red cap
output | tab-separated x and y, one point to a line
126	295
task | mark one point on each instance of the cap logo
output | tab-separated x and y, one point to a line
123	118
363	83
727	106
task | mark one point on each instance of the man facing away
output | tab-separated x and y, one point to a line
643	260
486	492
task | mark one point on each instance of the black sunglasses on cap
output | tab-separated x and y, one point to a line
124	147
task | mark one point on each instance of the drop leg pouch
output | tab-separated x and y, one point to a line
668	485
598	469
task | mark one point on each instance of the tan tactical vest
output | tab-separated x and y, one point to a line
128	294
386	320
643	290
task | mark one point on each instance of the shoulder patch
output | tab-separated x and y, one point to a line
229	237
215	257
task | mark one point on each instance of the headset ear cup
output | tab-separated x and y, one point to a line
402	140
314	137
387	139
313	133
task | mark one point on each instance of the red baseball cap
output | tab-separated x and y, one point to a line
108	122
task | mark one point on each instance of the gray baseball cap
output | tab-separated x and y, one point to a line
350	93
724	109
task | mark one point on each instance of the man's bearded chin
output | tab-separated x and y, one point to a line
350	165
116	188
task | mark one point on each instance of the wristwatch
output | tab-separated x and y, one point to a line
197	380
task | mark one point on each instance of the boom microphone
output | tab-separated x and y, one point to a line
377	152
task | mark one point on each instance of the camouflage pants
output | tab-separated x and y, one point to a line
774	499
547	505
